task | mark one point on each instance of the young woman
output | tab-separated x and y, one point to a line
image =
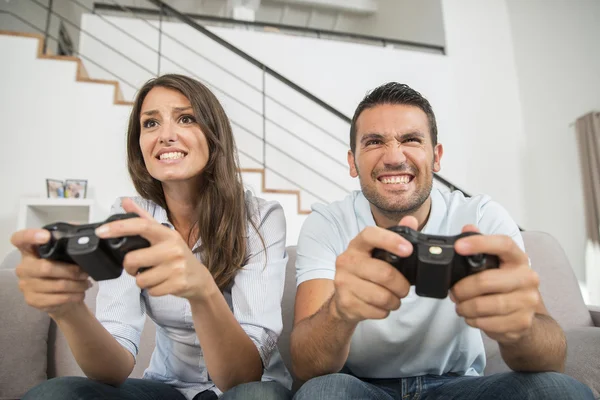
217	259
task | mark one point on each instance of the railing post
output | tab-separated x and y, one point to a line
160	18
264	115
47	32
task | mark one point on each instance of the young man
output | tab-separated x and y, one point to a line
359	314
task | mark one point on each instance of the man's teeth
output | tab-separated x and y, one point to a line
172	156
396	179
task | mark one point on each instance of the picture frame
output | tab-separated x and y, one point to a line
76	188
55	188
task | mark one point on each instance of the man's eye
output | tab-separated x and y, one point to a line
372	142
150	123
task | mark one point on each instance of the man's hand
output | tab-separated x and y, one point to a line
501	302
367	288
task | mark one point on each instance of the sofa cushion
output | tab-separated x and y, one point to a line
23	341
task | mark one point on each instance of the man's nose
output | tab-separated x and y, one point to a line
394	154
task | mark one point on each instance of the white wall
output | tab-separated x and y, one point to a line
55	127
321	66
556	47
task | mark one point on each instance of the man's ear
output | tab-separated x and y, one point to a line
438	152
352	165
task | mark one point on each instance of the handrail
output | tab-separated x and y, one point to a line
190	22
301	29
242	54
185	18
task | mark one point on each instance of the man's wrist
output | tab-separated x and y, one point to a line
334	313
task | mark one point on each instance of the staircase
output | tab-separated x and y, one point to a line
292	145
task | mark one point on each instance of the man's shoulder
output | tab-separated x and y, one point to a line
457	205
340	210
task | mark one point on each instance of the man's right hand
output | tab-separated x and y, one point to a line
368	288
49	286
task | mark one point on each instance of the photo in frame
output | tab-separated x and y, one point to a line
55	188
76	188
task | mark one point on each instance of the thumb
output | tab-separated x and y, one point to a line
410	222
131	206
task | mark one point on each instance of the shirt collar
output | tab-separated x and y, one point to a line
160	215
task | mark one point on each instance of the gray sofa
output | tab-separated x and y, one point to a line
31	349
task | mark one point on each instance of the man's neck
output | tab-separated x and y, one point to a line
386	220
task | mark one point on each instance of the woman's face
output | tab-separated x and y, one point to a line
172	143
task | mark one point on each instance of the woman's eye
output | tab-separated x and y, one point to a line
150	123
187	119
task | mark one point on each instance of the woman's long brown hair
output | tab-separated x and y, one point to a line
222	214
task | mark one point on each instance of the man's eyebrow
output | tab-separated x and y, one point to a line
371	136
412	134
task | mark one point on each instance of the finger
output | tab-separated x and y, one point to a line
498	304
501	245
375	237
382	274
149	229
357	309
494	281
153	277
26	240
50	300
516	322
370	293
31	267
152	256
470	228
129	205
56	285
410	222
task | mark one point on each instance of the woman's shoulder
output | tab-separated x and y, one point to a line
260	209
146	204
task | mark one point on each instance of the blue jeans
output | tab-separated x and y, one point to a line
258	391
80	388
509	385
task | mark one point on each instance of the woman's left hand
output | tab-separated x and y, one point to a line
173	267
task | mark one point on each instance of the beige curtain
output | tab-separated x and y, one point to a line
588	140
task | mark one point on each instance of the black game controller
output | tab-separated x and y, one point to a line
102	259
434	267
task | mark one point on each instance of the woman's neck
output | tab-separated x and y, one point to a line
181	200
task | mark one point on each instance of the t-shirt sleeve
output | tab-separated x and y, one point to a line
493	219
318	247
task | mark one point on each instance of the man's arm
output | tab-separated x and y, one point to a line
320	341
543	348
327	312
506	304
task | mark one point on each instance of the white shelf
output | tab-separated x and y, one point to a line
41	202
37	212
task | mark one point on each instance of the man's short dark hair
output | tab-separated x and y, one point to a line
394	93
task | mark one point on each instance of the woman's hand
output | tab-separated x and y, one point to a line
50	286
173	267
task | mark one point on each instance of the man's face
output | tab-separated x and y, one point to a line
394	158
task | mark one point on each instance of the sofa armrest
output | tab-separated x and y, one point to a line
595	314
583	356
